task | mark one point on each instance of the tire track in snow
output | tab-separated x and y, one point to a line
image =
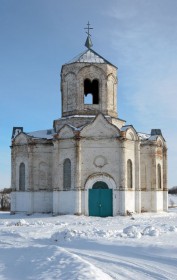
87	269
127	268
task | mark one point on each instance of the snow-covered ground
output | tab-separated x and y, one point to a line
77	247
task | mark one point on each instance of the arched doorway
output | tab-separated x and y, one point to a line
100	200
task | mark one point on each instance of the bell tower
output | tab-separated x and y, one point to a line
89	84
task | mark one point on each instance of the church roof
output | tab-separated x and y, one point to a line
90	56
44	134
152	137
144	136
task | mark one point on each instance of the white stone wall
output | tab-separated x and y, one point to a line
153	201
41	167
100	157
159	199
32	202
97	154
152	154
38	166
64	202
146	203
63	149
43	202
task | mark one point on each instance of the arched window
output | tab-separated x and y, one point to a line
129	174
159	180
22	177
91	91
67	174
100	185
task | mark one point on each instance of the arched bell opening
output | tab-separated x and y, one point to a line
91	91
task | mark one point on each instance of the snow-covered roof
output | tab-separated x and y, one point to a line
78	116
45	134
82	116
90	56
143	136
125	127
75	128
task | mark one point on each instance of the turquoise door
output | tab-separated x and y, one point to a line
100	200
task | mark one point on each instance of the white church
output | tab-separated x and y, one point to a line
90	162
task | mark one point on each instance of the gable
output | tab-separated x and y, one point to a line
65	132
129	133
100	127
21	138
158	139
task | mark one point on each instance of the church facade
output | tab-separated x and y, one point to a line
90	162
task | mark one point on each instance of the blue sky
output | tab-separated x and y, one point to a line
38	36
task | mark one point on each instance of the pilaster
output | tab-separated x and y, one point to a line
78	176
122	169
29	175
55	171
137	178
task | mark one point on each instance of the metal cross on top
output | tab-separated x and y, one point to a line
88	28
88	42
